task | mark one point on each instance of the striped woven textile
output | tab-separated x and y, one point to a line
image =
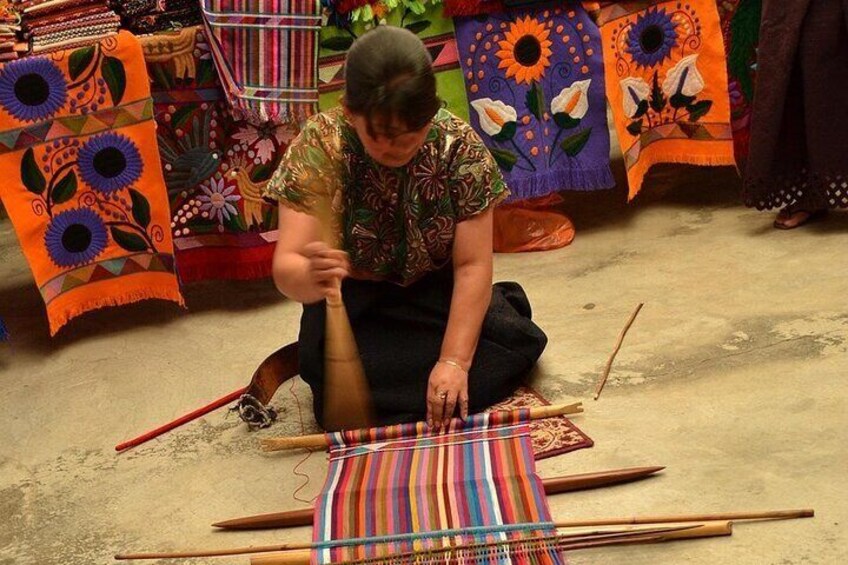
266	52
404	494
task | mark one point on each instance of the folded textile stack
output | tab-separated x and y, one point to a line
150	16
9	27
51	25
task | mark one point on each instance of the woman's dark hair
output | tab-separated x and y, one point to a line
389	76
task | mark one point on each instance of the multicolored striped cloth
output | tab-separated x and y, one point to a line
398	490
266	54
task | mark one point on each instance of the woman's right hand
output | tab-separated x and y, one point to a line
326	266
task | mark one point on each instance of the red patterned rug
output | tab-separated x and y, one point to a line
551	436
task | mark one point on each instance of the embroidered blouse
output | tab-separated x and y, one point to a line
396	224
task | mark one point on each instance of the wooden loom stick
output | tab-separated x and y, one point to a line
567	542
320	440
298	547
615	351
553	485
767	515
232	397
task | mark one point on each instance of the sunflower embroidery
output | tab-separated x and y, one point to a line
652	38
32	89
110	162
75	237
526	50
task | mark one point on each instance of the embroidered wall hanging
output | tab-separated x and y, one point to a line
667	84
84	187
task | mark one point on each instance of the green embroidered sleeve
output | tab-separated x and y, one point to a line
310	169
476	180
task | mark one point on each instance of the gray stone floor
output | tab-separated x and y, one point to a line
732	376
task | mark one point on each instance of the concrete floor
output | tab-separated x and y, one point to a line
732	376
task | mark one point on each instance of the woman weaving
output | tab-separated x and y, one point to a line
410	189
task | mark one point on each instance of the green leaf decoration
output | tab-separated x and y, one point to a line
182	114
418	27
641	109
658	100
535	101
79	61
65	188
507	133
574	144
337	43
115	76
30	173
635	128
127	240
680	100
206	72
505	159
140	208
699	109
235	223
745	31
565	121
262	172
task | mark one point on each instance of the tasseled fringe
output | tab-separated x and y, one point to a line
637	173
57	317
4	331
559	180
483	7
472	7
259	113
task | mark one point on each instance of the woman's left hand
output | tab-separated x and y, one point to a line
447	389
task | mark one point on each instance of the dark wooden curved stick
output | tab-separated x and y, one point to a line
555	485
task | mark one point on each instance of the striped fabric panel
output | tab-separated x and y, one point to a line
398	490
266	52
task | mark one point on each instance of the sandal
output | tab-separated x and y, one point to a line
790	218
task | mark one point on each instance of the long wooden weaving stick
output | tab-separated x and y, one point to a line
677	530
320	440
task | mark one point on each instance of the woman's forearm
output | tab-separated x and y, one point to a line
291	277
472	293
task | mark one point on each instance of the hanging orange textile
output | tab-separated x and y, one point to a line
666	79
82	181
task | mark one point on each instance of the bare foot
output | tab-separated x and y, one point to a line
790	218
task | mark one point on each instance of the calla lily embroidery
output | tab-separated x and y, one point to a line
568	108
500	121
684	78
572	101
496	118
635	96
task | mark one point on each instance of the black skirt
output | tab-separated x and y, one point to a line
399	333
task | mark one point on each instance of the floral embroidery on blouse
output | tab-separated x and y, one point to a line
395	223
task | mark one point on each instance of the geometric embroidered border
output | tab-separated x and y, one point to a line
442	50
74	126
677	130
105	270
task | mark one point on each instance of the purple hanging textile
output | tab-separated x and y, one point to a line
535	83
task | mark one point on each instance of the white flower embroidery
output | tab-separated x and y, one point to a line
218	200
635	91
684	78
573	100
494	115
